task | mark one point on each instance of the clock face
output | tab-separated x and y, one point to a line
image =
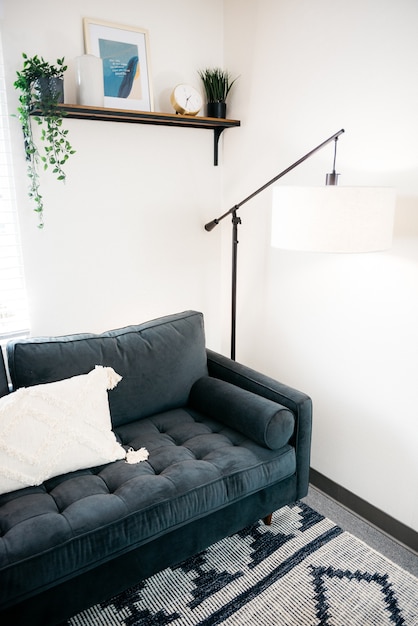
186	100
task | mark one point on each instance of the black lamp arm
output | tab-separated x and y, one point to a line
236	221
211	225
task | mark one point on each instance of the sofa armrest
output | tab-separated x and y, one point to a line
4	385
298	402
266	422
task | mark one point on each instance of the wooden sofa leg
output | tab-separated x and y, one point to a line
267	519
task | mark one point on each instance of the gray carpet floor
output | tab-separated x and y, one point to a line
358	527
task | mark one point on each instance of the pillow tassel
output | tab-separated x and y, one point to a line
112	377
136	456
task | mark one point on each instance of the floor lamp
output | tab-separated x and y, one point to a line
327	219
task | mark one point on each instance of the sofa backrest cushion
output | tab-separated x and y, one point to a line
159	361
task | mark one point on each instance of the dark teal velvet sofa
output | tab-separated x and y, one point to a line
227	446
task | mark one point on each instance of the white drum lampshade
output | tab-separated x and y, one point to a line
333	219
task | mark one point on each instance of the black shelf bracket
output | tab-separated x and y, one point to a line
217	132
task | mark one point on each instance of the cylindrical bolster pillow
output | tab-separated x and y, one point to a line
266	422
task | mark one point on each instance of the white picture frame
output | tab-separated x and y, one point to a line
124	51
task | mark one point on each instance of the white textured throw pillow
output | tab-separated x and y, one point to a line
48	430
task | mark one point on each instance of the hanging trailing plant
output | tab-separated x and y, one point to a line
41	87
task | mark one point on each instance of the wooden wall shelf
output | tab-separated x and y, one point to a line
81	112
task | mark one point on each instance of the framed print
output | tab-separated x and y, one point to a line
124	51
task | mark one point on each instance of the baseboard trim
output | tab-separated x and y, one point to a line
385	523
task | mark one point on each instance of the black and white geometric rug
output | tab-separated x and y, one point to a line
301	570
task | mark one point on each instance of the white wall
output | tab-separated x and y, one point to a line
341	327
124	238
124	241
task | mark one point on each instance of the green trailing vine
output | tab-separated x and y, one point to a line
39	104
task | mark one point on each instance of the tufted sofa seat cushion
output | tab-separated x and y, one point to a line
74	522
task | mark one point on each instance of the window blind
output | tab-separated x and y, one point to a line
14	318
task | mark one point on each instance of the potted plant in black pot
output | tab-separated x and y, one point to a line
42	87
217	84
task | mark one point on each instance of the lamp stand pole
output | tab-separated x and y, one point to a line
237	220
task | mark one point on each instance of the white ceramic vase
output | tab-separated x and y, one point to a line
89	80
